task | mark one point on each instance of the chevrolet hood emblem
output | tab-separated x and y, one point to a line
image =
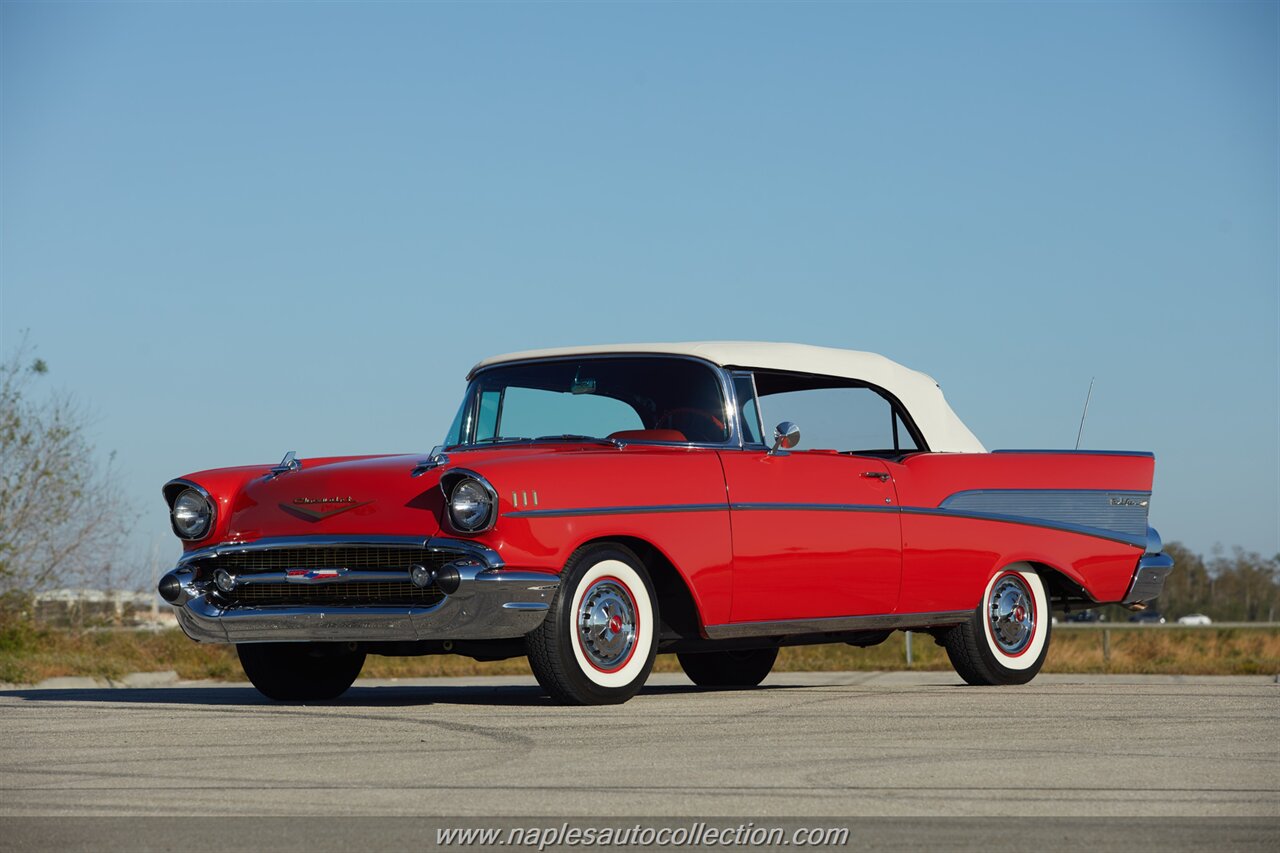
318	509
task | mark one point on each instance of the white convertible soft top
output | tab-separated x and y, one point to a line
918	392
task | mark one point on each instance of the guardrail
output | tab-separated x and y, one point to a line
1107	627
1143	626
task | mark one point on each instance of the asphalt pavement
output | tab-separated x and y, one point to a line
804	744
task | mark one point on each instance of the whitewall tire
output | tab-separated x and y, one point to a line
1007	638
599	640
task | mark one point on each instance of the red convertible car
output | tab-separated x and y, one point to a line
592	507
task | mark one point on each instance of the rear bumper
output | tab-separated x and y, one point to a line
1148	578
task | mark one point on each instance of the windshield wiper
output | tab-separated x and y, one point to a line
499	439
612	442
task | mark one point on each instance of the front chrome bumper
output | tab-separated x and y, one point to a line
491	602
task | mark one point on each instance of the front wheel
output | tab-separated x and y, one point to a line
1007	638
746	668
598	642
298	672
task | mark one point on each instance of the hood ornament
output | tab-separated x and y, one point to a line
435	459
288	463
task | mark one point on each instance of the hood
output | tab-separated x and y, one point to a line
347	496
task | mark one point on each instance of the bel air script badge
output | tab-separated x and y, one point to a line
1126	501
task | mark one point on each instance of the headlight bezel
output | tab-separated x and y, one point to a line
457	479
180	489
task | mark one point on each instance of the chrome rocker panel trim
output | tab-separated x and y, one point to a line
836	624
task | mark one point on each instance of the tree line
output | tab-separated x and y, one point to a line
1234	586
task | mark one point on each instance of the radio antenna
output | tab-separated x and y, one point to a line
1080	432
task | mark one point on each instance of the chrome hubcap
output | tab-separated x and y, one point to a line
607	624
1012	614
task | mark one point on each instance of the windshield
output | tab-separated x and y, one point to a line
628	399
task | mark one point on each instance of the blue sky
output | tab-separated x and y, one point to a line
239	229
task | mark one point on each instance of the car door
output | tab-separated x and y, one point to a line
816	529
815	534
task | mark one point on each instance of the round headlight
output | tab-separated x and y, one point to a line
471	506
192	515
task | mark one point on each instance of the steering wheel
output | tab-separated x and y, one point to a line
699	417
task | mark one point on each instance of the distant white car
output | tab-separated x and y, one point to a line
1195	619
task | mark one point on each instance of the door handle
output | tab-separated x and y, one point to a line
877	475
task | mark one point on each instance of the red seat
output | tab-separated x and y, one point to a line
649	435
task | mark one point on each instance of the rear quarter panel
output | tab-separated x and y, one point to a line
948	556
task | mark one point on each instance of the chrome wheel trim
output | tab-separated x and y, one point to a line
607	624
1011	614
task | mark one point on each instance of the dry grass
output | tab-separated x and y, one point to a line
32	655
29	655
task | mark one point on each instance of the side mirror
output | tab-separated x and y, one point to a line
785	436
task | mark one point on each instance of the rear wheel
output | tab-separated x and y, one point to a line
1007	638
599	640
746	668
295	672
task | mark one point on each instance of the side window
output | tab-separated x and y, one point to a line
748	413
833	415
490	407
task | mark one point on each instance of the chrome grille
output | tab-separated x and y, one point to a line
351	592
339	557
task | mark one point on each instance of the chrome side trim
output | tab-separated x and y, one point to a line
489	604
790	507
1084	530
491	558
616	510
204	493
658	508
836	624
1148	578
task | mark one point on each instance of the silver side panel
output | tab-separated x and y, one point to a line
1119	512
